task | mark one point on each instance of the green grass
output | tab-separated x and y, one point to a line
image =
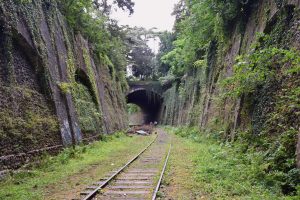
178	182
54	171
219	171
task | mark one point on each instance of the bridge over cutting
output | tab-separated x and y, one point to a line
148	96
153	86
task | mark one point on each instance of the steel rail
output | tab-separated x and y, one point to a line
112	177
161	175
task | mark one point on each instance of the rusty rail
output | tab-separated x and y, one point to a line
112	177
161	175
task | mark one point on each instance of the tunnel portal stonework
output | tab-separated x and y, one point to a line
148	96
53	92
149	102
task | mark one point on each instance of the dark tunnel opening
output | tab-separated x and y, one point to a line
149	102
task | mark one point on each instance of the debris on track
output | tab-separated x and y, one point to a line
141	130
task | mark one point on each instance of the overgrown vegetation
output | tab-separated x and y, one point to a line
262	92
263	64
87	109
35	181
107	39
25	127
227	170
278	133
132	108
198	23
273	66
34	125
107	47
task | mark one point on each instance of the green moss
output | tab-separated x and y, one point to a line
25	1
86	100
29	127
36	122
90	73
106	61
65	88
71	66
184	98
90	118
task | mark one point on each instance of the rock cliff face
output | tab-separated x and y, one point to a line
53	92
200	100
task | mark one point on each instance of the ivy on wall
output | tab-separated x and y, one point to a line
90	118
263	89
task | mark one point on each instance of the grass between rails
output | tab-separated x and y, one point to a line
58	177
203	168
177	182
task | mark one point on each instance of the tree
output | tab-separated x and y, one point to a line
180	11
105	7
142	65
78	12
140	56
166	45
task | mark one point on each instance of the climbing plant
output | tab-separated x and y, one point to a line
91	18
254	69
197	24
264	81
264	68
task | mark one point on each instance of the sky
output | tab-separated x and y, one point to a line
149	14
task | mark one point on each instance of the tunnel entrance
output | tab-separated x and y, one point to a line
149	102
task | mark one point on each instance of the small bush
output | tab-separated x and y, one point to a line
238	168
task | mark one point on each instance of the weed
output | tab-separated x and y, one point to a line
52	171
231	170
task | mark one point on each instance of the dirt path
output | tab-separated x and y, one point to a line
139	180
70	186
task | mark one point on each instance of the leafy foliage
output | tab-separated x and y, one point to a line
132	108
265	65
87	111
91	18
140	56
165	46
198	23
265	80
227	171
261	65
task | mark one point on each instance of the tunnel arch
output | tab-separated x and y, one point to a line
86	105
82	78
150	103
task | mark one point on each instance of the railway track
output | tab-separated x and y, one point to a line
139	179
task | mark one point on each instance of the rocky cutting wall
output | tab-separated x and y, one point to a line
52	91
197	99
